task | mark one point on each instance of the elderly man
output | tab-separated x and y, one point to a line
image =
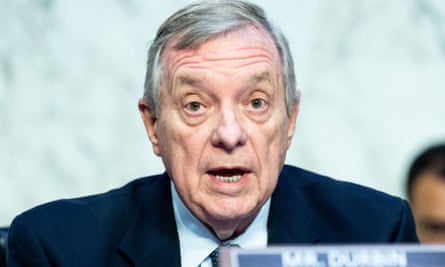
220	108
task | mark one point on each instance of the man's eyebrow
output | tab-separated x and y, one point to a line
255	79
261	77
187	80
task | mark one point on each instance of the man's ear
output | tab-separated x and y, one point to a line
293	119
150	120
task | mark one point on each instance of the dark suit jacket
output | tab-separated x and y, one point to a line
3	238
135	225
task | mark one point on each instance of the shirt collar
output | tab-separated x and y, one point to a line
197	242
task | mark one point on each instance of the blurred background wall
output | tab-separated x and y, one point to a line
371	72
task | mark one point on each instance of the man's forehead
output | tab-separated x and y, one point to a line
233	44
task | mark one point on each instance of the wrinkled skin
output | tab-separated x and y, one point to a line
223	129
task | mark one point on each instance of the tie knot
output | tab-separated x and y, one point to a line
214	256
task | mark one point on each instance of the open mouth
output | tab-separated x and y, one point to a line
228	175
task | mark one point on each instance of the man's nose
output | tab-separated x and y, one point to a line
229	132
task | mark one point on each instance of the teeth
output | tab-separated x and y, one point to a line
228	179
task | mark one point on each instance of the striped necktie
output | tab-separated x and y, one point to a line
214	256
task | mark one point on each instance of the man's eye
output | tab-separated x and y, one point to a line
258	103
193	106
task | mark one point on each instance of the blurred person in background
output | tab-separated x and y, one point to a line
426	193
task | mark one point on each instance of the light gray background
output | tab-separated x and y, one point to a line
372	75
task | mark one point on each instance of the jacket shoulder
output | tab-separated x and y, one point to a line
356	213
90	226
125	198
322	187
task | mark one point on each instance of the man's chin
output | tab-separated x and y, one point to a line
233	215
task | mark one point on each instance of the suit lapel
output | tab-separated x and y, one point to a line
290	220
152	239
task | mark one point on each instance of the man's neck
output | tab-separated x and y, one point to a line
230	229
197	241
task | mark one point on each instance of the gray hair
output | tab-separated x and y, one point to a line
197	23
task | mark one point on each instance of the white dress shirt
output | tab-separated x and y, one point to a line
196	241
